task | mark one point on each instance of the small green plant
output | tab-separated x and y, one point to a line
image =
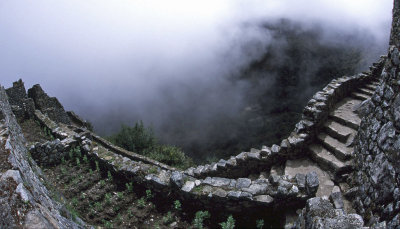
130	213
149	195
78	162
98	206
199	219
107	224
153	170
63	171
260	224
71	153
107	197
109	176
141	202
168	218
77	151
229	224
74	202
63	160
119	217
102	183
129	186
90	171
97	166
177	205
116	208
85	159
83	196
120	195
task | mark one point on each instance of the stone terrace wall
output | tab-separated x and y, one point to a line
24	200
214	193
378	143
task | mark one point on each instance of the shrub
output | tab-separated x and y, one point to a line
129	186
109	176
229	224
141	202
260	224
97	166
135	139
98	206
142	140
108	198
149	195
85	159
168	218
199	219
170	155
177	205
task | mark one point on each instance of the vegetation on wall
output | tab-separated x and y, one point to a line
141	140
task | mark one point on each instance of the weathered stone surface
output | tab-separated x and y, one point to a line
49	153
48	105
243	183
177	179
320	214
312	182
217	181
22	106
22	186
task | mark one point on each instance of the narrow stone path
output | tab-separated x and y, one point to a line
331	156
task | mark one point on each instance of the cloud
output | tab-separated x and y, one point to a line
123	60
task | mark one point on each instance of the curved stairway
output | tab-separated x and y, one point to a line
332	152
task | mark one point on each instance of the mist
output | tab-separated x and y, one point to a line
186	68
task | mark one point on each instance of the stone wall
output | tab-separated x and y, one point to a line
216	194
378	143
314	115
24	201
22	106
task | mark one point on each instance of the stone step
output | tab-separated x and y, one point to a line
360	96
339	149
370	87
343	113
375	82
328	161
366	91
339	131
306	165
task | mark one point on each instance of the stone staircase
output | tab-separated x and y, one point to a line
331	154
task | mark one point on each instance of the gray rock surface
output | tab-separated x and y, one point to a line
24	201
48	105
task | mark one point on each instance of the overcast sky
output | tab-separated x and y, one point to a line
95	53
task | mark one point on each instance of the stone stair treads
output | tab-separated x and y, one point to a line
339	131
366	91
327	160
360	96
344	113
340	150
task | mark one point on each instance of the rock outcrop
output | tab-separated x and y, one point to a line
22	106
24	200
48	105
